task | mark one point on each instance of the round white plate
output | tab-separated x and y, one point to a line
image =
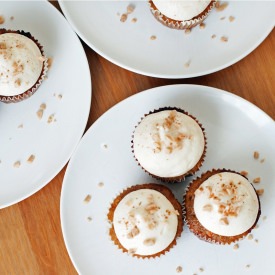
129	45
22	133
235	129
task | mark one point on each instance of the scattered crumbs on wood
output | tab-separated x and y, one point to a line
179	269
2	19
153	37
256	155
231	18
31	158
87	198
224	39
17	164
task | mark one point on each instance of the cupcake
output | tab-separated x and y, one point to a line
181	14
221	206
146	220
22	65
169	144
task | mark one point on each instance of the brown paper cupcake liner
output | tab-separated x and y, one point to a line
189	173
168	194
190	217
33	89
180	25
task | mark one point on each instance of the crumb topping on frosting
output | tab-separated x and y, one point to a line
168	143
145	222
226	204
21	63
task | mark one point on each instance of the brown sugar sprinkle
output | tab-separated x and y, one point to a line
2	19
123	17
250	237
87	198
31	158
134	232
231	18
149	241
208	207
257	180
260	192
221	6
153	37
17	82
3	46
224	221
256	155
236	246
179	269
17	164
224	39
187	31
134	20
244	173
202	25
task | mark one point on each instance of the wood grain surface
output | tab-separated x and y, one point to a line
31	240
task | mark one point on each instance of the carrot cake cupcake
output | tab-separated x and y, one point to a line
169	144
221	206
146	220
181	14
22	65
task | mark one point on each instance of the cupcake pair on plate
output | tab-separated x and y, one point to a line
221	206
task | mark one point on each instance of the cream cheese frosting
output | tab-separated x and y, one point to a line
226	204
181	10
168	143
21	64
145	222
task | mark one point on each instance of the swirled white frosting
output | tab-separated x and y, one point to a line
21	64
226	204
168	143
145	222
181	9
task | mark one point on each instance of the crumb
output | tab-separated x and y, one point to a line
31	158
244	173
100	184
257	180
264	218
59	96
221	7
39	113
43	106
256	240
202	25
87	198
49	62
11	18
50	118
260	192
187	64
179	269
262	160
256	155
153	37
105	146
20	126
130	8
213	36
17	164
2	19
250	237
201	269
231	18
134	20
89	219
123	17
236	246
187	31
247	266
222	18
224	39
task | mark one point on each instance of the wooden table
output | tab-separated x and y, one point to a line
31	240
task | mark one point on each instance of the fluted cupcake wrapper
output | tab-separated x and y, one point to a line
33	89
195	226
163	190
181	25
189	173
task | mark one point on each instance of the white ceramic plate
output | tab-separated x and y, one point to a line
51	144
235	129
129	45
